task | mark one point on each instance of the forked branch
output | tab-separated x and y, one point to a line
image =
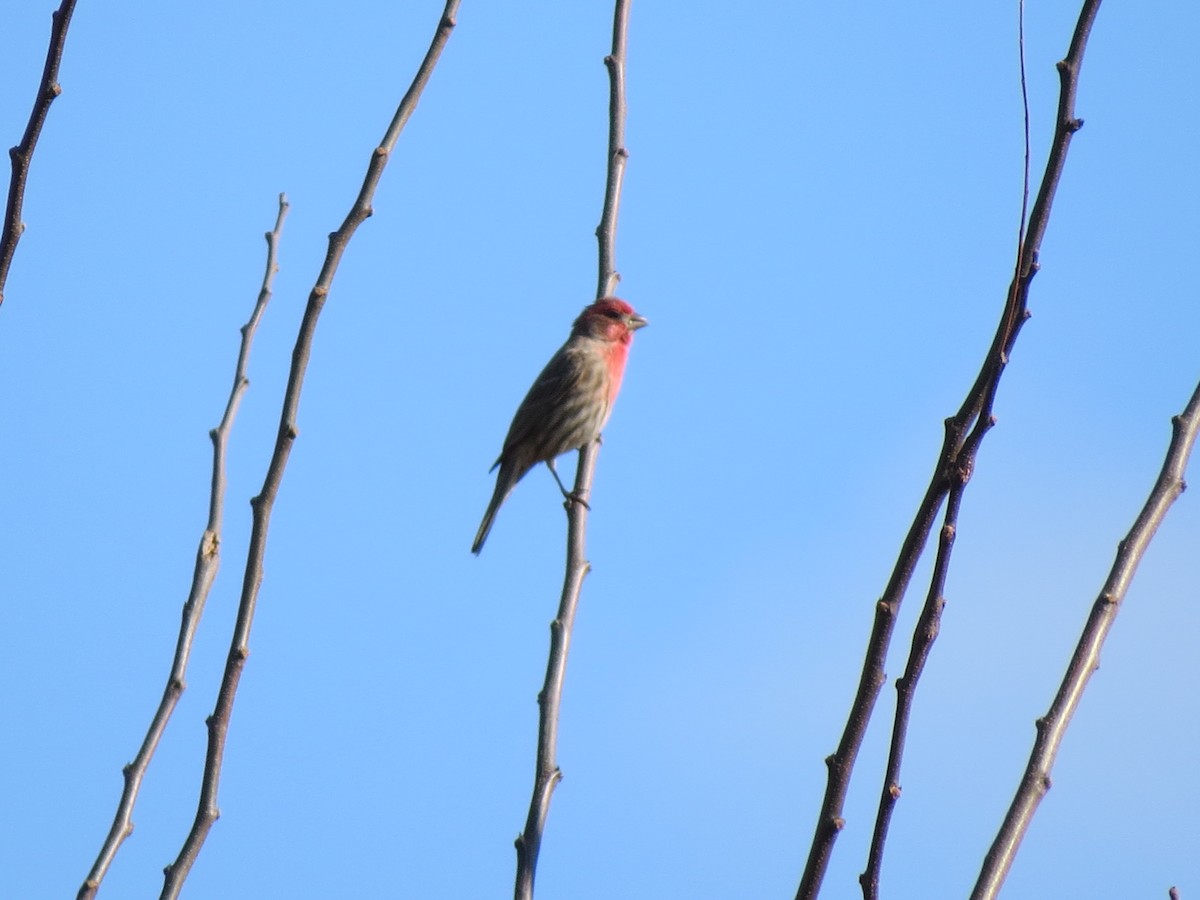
262	505
208	560
964	433
547	774
22	154
930	621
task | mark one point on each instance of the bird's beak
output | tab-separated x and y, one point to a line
635	322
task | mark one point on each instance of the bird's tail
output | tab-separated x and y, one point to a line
504	485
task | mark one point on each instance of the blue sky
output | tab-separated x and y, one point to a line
819	221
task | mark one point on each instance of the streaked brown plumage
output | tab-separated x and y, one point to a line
570	402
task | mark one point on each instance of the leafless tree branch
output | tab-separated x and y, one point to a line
964	433
262	505
924	634
929	622
208	560
547	774
606	231
22	154
1053	726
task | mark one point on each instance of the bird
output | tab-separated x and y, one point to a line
570	401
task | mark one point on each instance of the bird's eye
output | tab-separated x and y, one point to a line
612	314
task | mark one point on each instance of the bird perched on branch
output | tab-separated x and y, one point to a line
569	403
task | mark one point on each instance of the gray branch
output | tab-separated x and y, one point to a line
547	774
1053	726
263	504
208	560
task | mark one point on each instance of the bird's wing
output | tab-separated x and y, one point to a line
543	426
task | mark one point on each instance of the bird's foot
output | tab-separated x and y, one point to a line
570	497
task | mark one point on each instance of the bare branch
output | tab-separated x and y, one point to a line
1053	726
924	634
929	622
208	560
1025	121
547	774
606	231
22	154
262	505
956	460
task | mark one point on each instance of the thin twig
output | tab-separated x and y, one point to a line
1086	659
1025	118
262	505
208	560
963	435
929	622
22	154
924	634
547	773
606	231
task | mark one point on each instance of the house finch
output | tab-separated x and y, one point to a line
569	403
